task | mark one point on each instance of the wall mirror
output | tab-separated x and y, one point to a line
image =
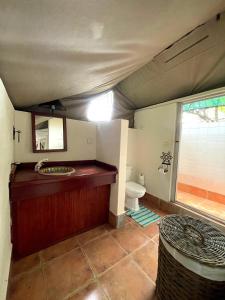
48	133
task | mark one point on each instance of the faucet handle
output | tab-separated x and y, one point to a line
39	164
43	160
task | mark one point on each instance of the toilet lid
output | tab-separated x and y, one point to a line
135	187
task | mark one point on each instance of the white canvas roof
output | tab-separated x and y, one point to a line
58	48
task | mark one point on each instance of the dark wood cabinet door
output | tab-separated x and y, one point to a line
40	222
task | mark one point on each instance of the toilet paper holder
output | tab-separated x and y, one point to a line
166	161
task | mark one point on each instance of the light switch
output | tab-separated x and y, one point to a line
89	141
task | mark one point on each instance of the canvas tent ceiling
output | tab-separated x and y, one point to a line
194	64
59	48
76	107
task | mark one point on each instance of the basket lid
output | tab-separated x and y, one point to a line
194	238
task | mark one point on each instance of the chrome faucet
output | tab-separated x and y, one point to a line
39	164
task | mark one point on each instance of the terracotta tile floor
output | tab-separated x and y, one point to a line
103	263
210	207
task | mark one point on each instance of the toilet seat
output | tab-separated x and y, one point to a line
133	186
134	189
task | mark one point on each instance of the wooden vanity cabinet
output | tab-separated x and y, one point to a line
48	217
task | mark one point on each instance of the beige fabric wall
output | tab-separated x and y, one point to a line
6	158
154	133
81	141
112	148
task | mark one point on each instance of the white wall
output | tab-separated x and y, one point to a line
112	149
155	133
81	141
6	158
132	151
202	149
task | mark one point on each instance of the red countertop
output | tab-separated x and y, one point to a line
25	182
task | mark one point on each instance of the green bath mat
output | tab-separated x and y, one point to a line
143	216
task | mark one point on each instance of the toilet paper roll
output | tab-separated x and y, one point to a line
162	170
141	179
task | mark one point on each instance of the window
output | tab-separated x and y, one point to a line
101	107
201	163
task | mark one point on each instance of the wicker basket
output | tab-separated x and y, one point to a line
197	242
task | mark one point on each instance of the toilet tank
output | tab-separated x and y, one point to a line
129	171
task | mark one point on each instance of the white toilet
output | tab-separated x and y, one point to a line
133	191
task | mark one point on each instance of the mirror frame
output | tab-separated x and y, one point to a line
33	114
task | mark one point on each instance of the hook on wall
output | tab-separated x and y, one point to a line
18	134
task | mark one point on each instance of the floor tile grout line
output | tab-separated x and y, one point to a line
43	262
112	266
45	281
40	257
58	257
118	244
138	263
136	249
100	286
146	275
141	229
106	295
17	276
95	238
150	237
154	238
128	255
46	262
125	252
79	289
95	271
139	248
147	236
93	280
89	262
45	278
